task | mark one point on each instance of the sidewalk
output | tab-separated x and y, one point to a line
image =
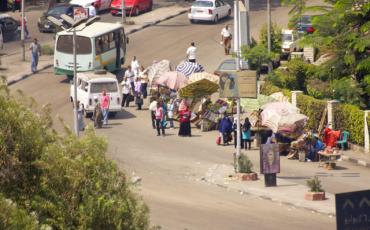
357	157
286	192
15	70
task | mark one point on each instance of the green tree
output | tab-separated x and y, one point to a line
275	37
66	182
257	56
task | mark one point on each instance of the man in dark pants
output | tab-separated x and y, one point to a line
17	5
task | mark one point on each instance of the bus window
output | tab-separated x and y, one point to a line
99	46
65	41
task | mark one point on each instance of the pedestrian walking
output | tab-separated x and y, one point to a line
137	87
144	81
135	66
185	127
80	119
126	89
191	53
159	119
97	116
152	109
139	101
105	107
17	5
92	10
246	133
129	74
226	39
170	113
35	53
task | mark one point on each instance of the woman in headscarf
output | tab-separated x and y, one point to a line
246	133
184	119
226	127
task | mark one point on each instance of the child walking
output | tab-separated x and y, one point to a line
139	101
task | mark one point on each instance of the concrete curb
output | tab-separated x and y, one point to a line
26	75
156	22
356	161
269	198
46	66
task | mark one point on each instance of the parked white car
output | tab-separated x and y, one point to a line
288	41
91	84
209	10
98	4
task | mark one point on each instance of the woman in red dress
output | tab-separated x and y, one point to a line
185	128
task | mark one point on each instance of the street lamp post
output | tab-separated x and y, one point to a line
74	26
123	10
269	32
22	32
237	99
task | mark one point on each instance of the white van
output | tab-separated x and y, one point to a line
91	84
288	41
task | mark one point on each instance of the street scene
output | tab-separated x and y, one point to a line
168	116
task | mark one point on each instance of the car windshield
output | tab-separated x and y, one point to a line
203	4
64	44
58	10
98	87
228	65
287	37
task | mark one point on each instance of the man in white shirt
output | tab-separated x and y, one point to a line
129	74
92	11
226	39
191	53
135	66
126	87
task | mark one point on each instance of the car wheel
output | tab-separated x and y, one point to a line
150	6
192	21
216	19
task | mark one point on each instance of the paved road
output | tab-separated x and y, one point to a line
172	167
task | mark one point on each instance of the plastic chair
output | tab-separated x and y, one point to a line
343	140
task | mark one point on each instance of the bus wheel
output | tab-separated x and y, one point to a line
112	114
70	77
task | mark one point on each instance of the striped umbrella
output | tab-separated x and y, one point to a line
187	68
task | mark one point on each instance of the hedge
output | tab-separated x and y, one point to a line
346	117
350	118
313	108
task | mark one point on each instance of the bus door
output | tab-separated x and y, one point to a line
117	40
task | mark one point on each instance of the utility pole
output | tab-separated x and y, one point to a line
237	99
246	4
75	109
22	32
123	10
269	32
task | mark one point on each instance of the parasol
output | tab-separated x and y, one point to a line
157	69
283	117
279	96
204	75
173	80
199	89
254	104
187	68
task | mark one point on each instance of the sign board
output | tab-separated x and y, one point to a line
80	13
240	84
270	158
353	210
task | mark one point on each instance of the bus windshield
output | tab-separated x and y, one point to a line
64	44
109	87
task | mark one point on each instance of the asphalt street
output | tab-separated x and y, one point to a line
171	167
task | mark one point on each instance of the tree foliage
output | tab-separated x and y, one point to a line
275	37
64	181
